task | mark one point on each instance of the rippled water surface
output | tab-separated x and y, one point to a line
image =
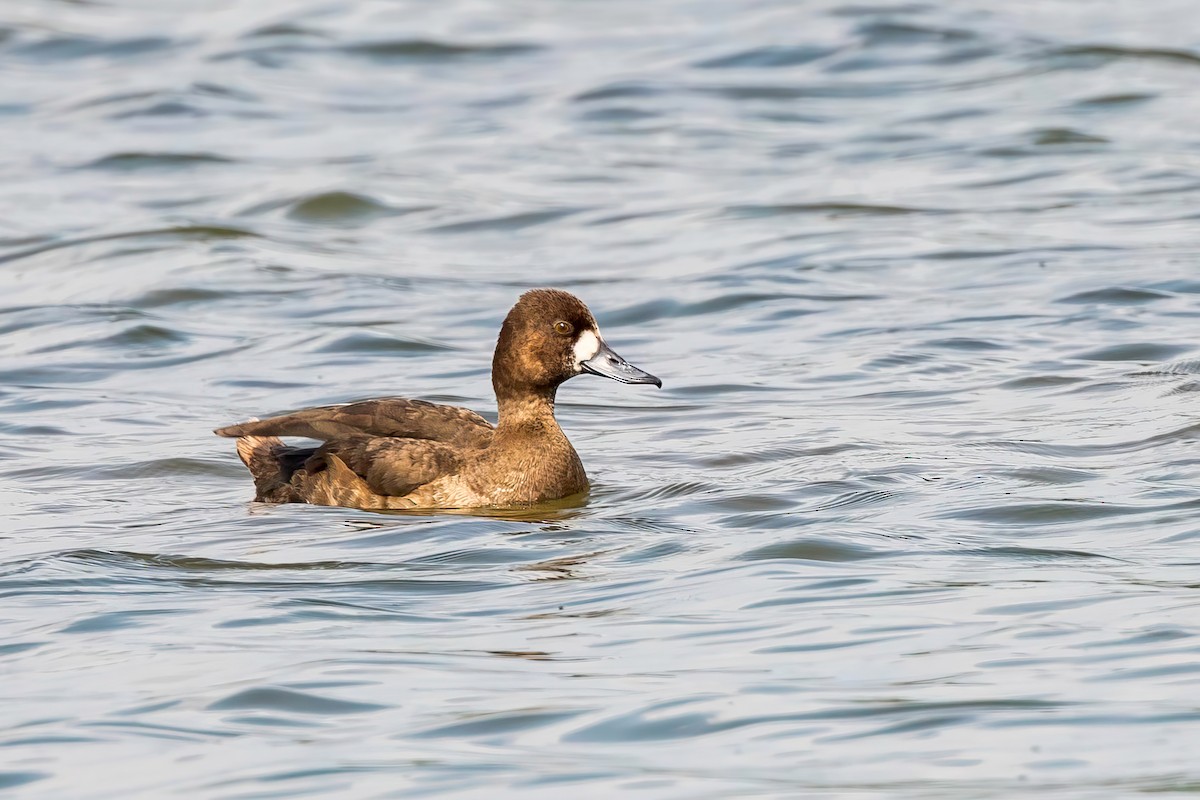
917	513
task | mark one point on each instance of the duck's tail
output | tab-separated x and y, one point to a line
285	474
272	463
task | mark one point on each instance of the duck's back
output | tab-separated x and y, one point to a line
397	417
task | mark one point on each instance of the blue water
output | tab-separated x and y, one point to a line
914	516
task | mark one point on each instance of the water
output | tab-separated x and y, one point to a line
914	516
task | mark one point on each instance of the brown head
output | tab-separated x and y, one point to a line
548	337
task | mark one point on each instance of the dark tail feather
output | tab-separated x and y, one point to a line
272	463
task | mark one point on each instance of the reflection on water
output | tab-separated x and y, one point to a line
914	516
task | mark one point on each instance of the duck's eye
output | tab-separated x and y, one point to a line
563	327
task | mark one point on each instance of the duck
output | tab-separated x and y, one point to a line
401	453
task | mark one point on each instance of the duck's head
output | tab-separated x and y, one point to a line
550	336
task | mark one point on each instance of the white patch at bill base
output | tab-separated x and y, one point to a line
586	346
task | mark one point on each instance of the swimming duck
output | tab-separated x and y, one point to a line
394	453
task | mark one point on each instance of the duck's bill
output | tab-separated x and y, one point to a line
608	364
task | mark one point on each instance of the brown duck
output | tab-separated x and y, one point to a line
399	453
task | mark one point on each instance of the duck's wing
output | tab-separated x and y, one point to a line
359	471
390	466
397	417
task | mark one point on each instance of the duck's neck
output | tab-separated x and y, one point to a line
527	413
531	453
524	397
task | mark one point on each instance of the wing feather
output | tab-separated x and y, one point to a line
392	466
